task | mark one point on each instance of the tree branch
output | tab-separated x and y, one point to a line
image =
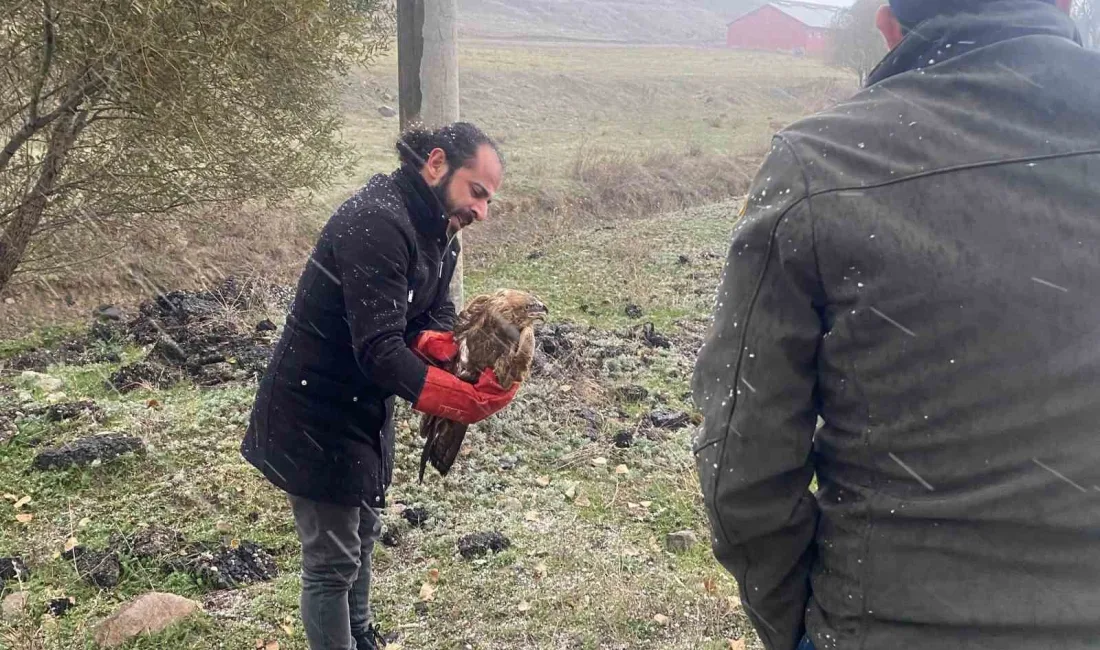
92	87
18	232
49	44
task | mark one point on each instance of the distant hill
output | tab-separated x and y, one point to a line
636	21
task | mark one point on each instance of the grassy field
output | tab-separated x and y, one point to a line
587	567
608	148
598	132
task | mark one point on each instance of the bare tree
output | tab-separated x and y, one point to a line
1087	14
857	43
116	112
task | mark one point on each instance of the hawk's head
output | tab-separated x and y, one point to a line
507	312
518	308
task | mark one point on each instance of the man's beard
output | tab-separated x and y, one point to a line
442	192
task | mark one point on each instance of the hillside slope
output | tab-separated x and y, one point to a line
636	21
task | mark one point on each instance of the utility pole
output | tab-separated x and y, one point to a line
427	61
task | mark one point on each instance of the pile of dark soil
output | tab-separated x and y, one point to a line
478	544
102	448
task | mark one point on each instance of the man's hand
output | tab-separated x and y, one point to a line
436	347
449	397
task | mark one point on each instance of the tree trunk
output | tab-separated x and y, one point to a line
410	50
439	88
24	221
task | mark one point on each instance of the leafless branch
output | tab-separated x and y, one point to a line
48	46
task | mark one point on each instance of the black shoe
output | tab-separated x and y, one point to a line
372	641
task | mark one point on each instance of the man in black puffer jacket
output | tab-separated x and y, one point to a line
918	267
372	311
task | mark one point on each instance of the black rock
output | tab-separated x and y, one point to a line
416	517
60	606
632	393
669	419
86	450
421	608
653	338
624	439
266	326
98	568
634	311
536	254
683	260
479	544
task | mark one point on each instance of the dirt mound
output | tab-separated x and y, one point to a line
564	349
662	419
214	565
72	410
227	567
416	517
479	544
102	448
172	312
99	568
193	335
81	350
153	542
144	375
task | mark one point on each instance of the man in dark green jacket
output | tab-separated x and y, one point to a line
918	267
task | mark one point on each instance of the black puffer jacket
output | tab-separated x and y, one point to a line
322	424
920	266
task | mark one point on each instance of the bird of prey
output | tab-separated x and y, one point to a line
494	330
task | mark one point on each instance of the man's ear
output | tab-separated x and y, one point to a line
436	167
887	23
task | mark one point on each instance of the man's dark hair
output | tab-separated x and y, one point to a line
910	13
460	141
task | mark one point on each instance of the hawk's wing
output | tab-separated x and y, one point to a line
484	340
444	437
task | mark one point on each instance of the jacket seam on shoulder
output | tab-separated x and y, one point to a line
952	169
810	210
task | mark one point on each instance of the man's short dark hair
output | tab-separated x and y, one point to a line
910	13
460	141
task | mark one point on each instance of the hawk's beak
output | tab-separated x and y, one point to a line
538	311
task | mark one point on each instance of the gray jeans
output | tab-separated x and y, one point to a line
337	542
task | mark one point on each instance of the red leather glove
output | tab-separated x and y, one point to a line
439	347
449	397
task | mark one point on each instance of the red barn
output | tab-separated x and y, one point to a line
784	26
